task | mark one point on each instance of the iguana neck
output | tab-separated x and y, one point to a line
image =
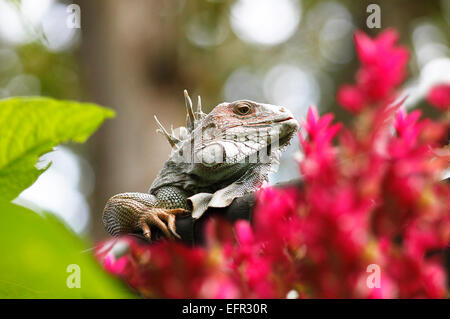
196	178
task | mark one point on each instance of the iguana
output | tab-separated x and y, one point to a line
216	158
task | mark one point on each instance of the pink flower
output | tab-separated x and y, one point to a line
434	279
351	98
382	70
439	97
219	288
244	233
317	146
114	255
114	266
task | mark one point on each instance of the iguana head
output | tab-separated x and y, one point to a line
240	131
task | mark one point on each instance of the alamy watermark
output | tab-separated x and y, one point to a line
74	279
374	279
73	20
374	19
211	146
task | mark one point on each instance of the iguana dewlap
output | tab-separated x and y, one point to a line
215	158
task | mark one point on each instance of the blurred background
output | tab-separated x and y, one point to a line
137	56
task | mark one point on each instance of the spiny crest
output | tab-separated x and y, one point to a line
193	120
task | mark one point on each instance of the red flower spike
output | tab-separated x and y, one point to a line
351	98
439	97
382	70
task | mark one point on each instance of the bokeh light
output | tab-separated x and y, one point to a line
290	86
202	30
243	84
265	22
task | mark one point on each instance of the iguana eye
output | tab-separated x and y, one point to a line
242	109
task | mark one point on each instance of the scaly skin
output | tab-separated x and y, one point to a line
215	159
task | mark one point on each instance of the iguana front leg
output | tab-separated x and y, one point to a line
136	212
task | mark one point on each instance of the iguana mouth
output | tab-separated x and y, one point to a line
283	119
265	123
290	126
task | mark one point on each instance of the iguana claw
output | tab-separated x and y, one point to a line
155	217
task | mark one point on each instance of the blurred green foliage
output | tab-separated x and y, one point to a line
58	73
30	127
37	249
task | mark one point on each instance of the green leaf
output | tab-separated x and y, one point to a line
35	253
30	127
